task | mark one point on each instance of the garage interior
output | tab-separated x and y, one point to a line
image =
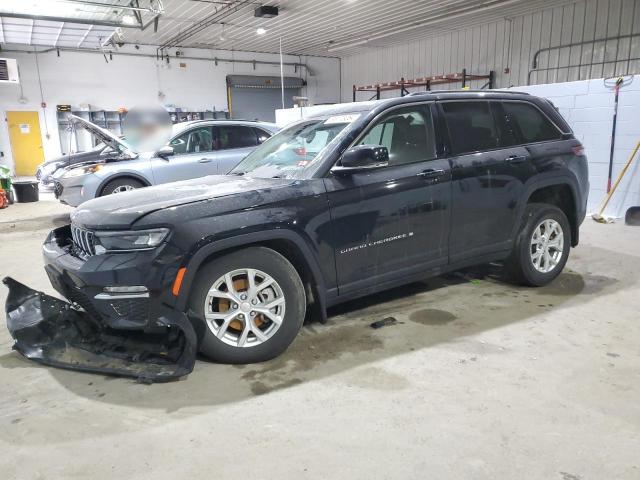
474	377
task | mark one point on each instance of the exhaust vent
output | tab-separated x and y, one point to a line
9	70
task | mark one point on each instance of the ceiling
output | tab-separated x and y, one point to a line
307	27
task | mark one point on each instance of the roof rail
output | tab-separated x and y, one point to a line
436	92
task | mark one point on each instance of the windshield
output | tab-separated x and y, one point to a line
292	150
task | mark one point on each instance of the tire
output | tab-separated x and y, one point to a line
123	184
527	266
224	344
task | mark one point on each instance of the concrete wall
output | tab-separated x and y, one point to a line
588	106
78	78
508	45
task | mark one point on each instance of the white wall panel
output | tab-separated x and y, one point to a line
510	43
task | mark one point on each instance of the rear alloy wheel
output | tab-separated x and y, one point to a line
252	303
542	247
120	185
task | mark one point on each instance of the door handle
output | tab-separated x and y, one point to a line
205	160
516	158
432	173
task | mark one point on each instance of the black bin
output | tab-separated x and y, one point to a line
26	192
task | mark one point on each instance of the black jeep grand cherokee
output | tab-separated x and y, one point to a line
366	197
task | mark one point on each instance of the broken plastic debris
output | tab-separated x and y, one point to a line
53	332
385	322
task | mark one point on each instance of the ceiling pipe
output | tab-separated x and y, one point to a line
81	21
215	60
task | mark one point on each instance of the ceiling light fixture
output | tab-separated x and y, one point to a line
261	31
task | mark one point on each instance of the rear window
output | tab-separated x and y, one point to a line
531	124
234	136
471	126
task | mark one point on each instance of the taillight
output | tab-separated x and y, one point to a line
578	150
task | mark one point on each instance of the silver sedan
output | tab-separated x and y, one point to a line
196	149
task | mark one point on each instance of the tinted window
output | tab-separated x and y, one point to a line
506	129
262	134
232	136
531	123
193	141
407	133
471	126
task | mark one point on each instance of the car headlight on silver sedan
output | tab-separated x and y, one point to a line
78	172
129	241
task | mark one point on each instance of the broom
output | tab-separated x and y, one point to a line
598	217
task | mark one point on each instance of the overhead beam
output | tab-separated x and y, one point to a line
84	37
111	6
55	43
81	21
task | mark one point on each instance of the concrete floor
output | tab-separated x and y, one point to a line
479	380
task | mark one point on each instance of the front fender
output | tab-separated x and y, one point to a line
212	247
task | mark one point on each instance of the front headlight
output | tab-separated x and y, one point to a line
128	241
77	172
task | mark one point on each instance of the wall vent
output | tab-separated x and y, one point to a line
9	70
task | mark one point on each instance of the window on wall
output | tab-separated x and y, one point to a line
530	122
193	141
471	126
407	133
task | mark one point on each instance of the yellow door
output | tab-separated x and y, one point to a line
26	141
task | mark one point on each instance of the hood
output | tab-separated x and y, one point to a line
74	158
121	210
105	136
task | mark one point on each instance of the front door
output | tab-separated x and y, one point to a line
392	221
194	157
26	141
488	173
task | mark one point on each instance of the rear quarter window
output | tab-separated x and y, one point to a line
532	125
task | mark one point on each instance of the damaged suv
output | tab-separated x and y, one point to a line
362	198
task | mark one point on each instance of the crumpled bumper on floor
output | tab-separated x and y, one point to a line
55	333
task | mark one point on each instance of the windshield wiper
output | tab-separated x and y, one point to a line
237	174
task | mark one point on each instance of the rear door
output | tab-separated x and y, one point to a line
193	157
391	222
488	171
233	143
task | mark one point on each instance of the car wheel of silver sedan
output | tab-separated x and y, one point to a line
120	185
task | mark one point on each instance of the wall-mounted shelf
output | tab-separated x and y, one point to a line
427	82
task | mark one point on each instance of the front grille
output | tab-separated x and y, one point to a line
83	242
57	189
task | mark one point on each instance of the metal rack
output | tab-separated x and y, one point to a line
427	82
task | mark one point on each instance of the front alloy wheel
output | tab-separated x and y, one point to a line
244	308
250	305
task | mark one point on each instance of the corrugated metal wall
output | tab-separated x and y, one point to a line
564	36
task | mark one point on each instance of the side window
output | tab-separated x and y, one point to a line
262	135
532	124
193	141
471	126
234	136
506	130
407	133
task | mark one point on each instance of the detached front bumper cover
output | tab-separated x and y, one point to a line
56	333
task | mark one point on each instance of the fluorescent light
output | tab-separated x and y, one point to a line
261	31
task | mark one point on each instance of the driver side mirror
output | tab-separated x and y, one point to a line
165	152
361	158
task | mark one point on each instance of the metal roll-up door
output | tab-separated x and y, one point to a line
257	98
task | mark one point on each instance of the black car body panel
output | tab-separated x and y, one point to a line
350	235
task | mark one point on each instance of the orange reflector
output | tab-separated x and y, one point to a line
178	281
